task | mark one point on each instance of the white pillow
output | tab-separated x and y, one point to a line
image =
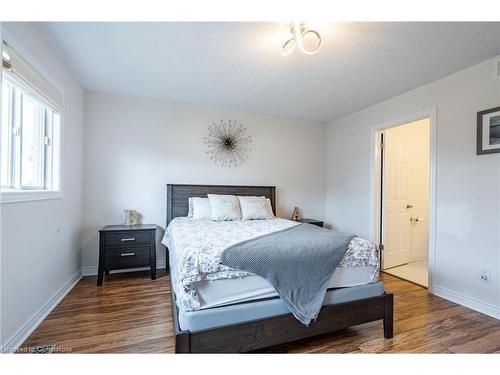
269	208
253	208
201	208
190	207
224	207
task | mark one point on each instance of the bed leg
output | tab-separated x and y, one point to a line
388	316
182	343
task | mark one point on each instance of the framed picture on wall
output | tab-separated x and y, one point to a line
488	131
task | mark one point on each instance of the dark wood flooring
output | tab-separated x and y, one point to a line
131	313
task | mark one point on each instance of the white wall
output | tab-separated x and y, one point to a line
134	147
416	141
41	239
468	199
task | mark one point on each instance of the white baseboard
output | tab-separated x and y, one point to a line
467	301
16	340
92	270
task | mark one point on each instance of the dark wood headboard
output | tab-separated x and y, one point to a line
178	195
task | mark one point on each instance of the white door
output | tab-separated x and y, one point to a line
396	218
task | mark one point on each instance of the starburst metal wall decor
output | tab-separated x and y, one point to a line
228	143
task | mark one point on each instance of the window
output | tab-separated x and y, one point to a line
30	137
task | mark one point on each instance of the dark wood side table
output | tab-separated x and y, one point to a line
123	247
318	223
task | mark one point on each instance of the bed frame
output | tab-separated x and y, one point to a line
262	333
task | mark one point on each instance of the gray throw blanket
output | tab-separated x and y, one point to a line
298	262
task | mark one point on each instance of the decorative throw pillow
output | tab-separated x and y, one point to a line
253	208
201	208
224	207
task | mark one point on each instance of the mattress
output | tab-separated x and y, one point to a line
229	291
243	312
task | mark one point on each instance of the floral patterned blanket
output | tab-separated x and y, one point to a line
195	248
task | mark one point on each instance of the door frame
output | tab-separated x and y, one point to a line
375	182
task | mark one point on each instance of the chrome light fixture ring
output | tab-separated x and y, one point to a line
298	33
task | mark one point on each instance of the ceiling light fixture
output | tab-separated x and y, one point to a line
299	32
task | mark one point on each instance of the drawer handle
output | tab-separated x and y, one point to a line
128	239
127	254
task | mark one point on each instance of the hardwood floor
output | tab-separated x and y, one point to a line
130	313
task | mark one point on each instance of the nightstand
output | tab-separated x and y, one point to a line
312	221
123	247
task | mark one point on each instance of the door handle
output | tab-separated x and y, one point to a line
408	206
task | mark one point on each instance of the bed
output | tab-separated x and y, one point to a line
241	312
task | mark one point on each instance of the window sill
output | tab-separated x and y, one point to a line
15	196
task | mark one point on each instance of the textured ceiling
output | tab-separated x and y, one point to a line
238	65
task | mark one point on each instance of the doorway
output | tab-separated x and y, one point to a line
404	207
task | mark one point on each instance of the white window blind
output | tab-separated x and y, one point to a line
17	66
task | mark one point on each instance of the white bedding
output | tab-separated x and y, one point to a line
200	281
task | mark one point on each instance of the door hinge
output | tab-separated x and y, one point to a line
47	141
381	246
382	145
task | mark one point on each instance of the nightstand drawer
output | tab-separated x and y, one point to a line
127	238
129	257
